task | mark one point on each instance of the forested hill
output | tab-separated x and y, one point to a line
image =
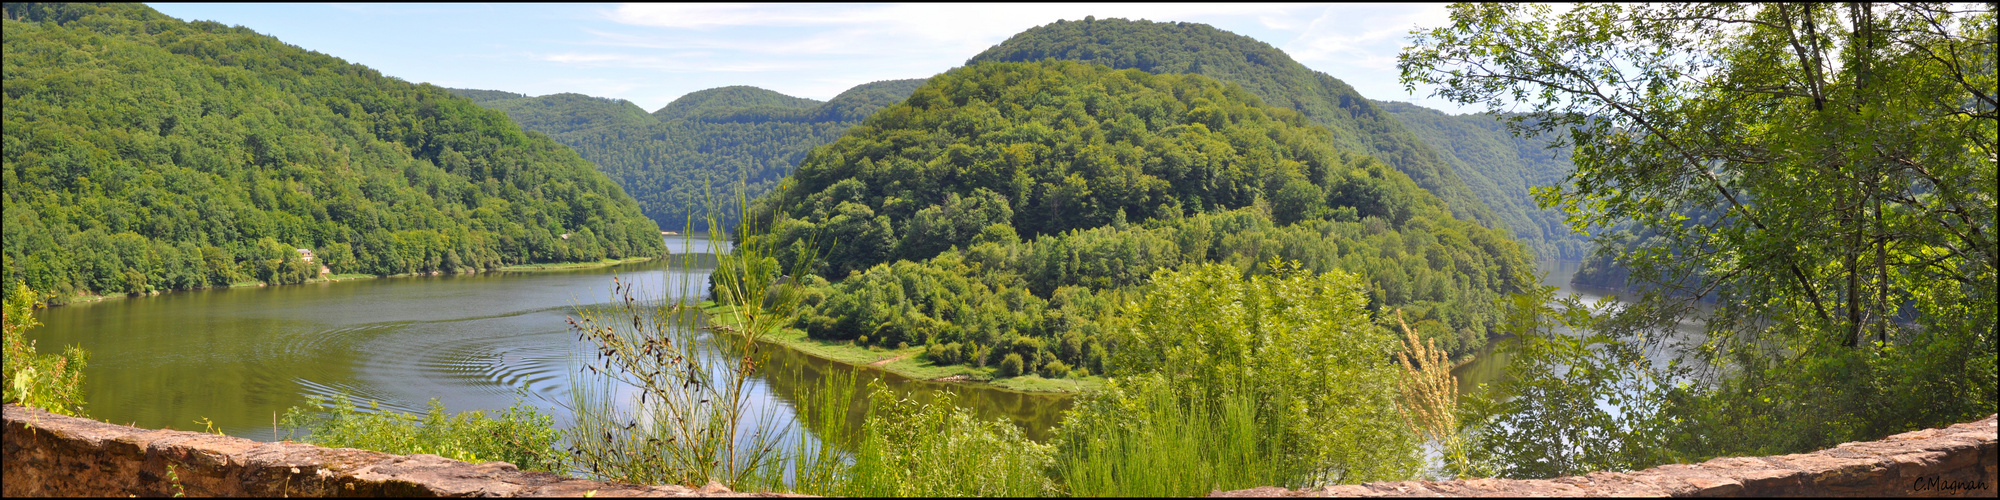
1355	122
716	138
727	99
1500	168
144	153
996	214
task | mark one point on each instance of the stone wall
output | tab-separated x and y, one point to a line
1956	461
53	455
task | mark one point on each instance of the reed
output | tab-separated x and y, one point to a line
1169	447
659	408
1429	402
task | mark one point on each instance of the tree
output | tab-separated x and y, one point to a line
1850	152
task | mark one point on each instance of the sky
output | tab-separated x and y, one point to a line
651	54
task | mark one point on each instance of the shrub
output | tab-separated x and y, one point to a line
1055	369
521	435
47	381
1010	366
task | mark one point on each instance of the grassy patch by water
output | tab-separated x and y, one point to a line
910	362
564	266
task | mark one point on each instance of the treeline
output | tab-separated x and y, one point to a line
721	142
143	153
1001	214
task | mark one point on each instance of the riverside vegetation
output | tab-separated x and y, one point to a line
146	154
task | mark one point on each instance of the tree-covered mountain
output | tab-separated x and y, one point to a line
144	153
1356	123
997	215
712	139
1501	168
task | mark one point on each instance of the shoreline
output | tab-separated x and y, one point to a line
908	363
331	278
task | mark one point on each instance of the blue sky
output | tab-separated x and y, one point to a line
651	54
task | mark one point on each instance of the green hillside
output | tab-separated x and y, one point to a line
562	113
1500	168
1356	123
716	138
997	215
143	153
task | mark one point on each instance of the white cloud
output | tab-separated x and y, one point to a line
818	50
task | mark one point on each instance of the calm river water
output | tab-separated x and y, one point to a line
240	357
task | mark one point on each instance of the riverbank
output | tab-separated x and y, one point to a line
570	266
86	298
908	362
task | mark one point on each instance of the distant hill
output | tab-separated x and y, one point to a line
1500	168
714	138
727	99
1356	122
143	153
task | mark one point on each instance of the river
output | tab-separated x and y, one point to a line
239	357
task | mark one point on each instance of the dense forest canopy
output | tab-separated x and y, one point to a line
999	214
1356	123
720	142
1501	168
144	153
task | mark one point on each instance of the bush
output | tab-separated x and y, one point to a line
1010	366
939	449
521	436
1055	369
1297	348
47	381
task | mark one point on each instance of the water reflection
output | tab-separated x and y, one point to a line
1489	365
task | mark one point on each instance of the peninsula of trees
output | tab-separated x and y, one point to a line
1000	214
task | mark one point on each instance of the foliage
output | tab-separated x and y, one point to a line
1161	445
520	435
143	153
1575	400
743	137
1298	343
1355	123
1823	172
939	449
48	381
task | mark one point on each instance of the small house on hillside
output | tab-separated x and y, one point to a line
306	254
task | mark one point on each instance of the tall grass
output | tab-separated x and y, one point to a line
662	409
1166	446
1429	403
